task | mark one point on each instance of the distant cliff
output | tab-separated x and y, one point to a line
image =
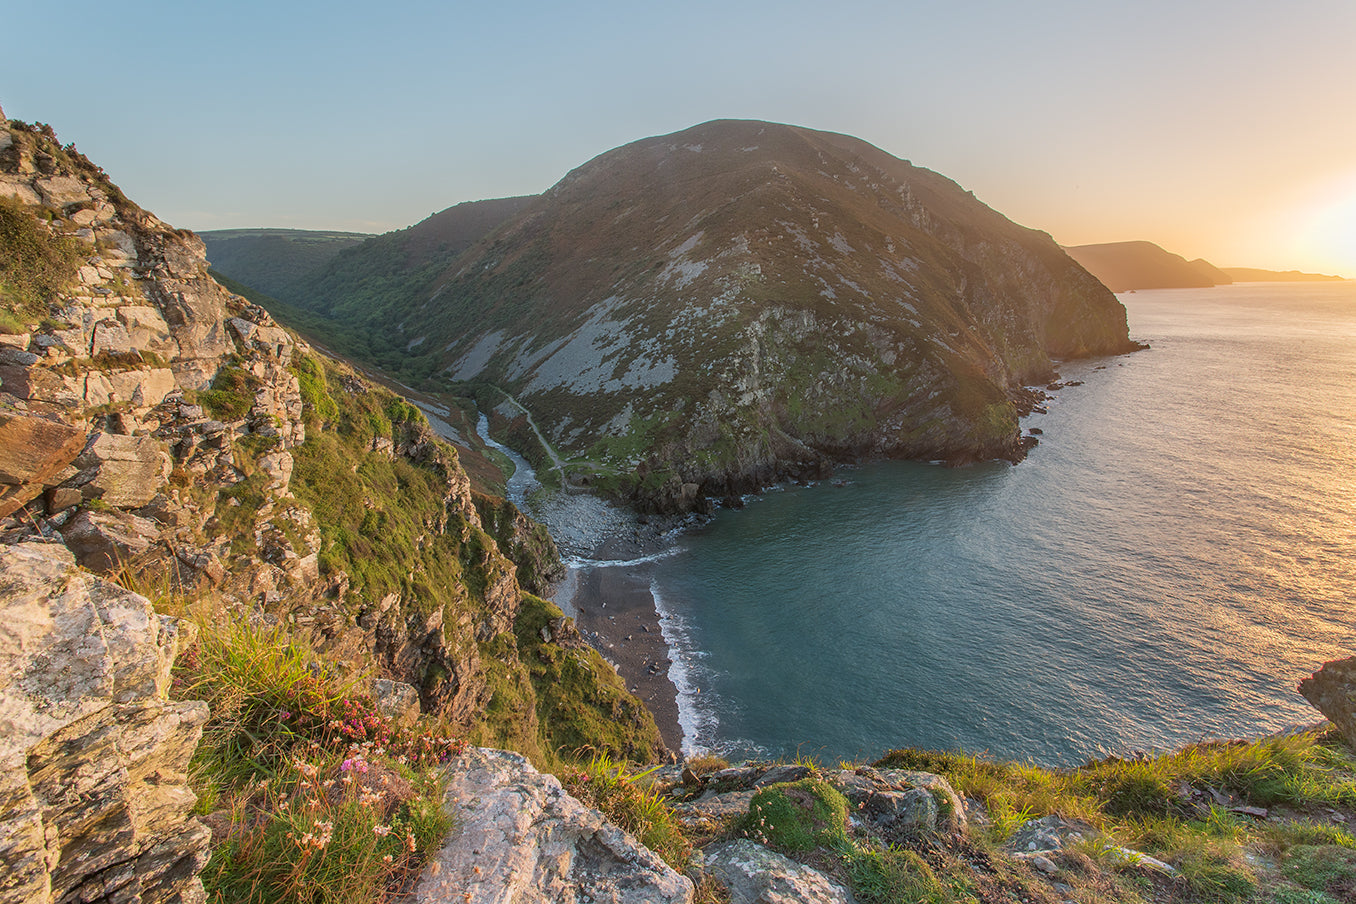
1253	274
697	314
1123	266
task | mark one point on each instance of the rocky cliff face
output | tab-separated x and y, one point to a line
706	311
94	800
160	431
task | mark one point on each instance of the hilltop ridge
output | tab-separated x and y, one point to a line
694	315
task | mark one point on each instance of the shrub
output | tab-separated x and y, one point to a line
232	394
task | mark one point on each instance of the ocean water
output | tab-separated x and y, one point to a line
1174	556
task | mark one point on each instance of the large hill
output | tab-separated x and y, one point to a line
716	307
273	260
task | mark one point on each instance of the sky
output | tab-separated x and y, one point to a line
1223	130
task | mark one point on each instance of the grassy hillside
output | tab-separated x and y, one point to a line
274	261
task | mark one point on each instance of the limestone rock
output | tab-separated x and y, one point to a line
123	471
277	466
94	800
756	875
1048	835
1332	691
396	700
103	541
523	839
33	450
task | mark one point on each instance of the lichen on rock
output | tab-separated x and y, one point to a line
94	800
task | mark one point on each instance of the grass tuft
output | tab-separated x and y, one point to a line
311	794
607	785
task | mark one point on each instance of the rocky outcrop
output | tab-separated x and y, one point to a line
1332	691
524	541
755	875
33	450
94	800
155	423
520	837
892	803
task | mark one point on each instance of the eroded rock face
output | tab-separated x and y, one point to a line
33	450
94	800
1332	691
756	875
523	839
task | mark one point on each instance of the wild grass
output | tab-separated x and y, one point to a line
609	785
311	794
35	265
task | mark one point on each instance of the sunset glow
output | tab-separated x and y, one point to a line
1328	230
1218	130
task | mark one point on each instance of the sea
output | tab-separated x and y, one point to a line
1165	566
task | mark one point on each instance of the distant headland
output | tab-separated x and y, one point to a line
1122	266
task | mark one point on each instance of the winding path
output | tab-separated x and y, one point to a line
556	463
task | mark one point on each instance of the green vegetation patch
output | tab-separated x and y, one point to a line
317	796
232	394
581	701
35	265
1329	869
798	816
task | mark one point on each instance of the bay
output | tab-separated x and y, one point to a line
1174	556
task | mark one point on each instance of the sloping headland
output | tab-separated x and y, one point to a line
1126	266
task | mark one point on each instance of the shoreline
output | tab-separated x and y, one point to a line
615	612
608	592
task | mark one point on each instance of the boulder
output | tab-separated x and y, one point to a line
142	388
270	340
33	451
522	838
103	541
111	338
1332	691
756	875
395	700
61	191
94	802
123	471
901	806
1048	835
148	330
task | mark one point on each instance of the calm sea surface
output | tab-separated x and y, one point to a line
1173	557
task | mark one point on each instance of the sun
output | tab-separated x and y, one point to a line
1328	235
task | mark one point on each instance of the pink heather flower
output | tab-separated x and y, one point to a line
381	831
